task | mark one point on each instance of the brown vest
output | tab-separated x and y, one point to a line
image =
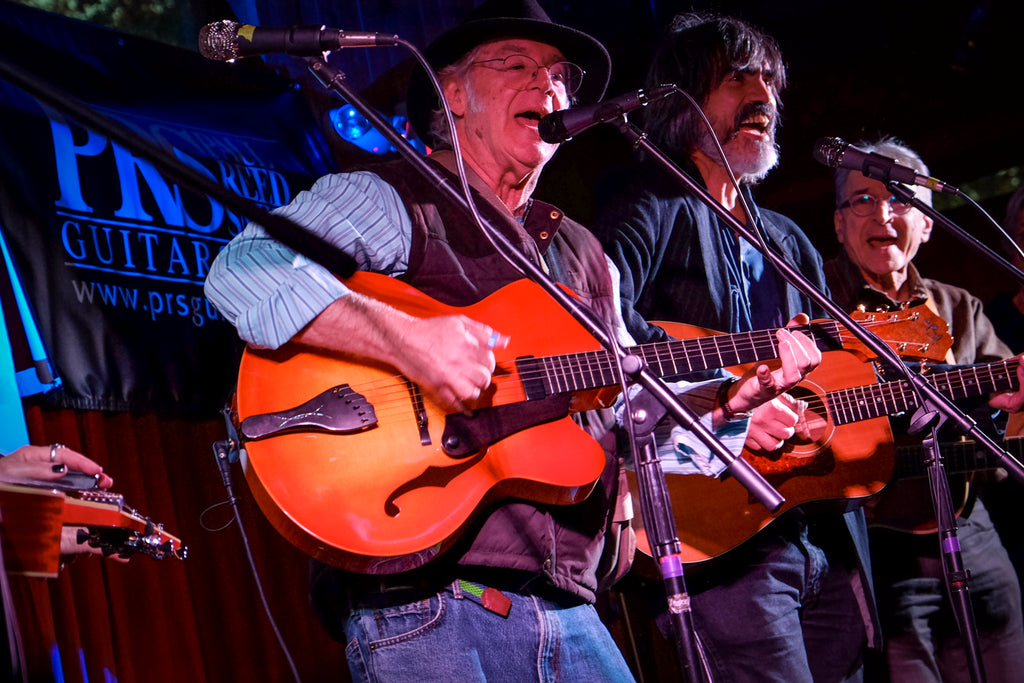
452	262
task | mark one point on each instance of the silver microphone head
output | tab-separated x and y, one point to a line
219	40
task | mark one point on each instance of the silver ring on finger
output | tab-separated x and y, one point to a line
53	451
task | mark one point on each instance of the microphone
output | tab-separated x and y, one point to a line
226	40
559	126
837	153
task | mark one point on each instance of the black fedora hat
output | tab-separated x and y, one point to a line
496	20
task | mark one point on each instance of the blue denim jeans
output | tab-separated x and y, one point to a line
451	636
785	612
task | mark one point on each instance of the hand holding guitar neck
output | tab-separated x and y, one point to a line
799	356
1011	401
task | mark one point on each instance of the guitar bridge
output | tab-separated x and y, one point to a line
338	410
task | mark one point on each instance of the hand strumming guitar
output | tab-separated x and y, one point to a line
799	355
450	357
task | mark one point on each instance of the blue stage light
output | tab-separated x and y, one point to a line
354	128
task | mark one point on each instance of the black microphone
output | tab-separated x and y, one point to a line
227	40
836	153
559	126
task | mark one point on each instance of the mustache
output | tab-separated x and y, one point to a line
750	110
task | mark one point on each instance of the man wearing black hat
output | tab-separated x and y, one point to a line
512	599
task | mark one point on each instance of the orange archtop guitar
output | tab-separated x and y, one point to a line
353	463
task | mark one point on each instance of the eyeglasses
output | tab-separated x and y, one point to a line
865	205
521	70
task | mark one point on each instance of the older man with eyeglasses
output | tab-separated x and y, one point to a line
880	237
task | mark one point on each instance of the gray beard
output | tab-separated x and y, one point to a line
749	168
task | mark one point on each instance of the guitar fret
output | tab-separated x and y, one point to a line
891	406
605	375
749	344
580	371
713	343
665	350
838	403
606	371
551	375
905	395
572	375
860	402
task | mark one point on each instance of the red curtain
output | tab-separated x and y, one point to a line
196	620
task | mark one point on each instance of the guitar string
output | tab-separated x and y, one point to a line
561	372
853	404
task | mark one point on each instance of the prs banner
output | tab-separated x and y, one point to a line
112	253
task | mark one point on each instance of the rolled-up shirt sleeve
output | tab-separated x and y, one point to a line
269	292
680	450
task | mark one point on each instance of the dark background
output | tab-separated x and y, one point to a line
944	77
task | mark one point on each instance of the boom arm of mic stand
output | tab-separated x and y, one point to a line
929	395
907	196
332	78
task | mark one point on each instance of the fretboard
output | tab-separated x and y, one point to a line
958	457
677	357
892	398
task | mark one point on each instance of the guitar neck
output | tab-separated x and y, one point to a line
958	457
597	369
681	357
891	398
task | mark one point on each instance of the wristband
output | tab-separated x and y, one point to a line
723	400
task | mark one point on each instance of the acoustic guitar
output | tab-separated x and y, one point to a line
31	519
356	466
845	454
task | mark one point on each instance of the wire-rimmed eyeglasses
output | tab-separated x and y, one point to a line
864	205
521	69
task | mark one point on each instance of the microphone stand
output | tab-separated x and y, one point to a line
660	508
930	401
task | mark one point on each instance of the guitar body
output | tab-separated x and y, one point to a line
906	505
389	498
829	466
